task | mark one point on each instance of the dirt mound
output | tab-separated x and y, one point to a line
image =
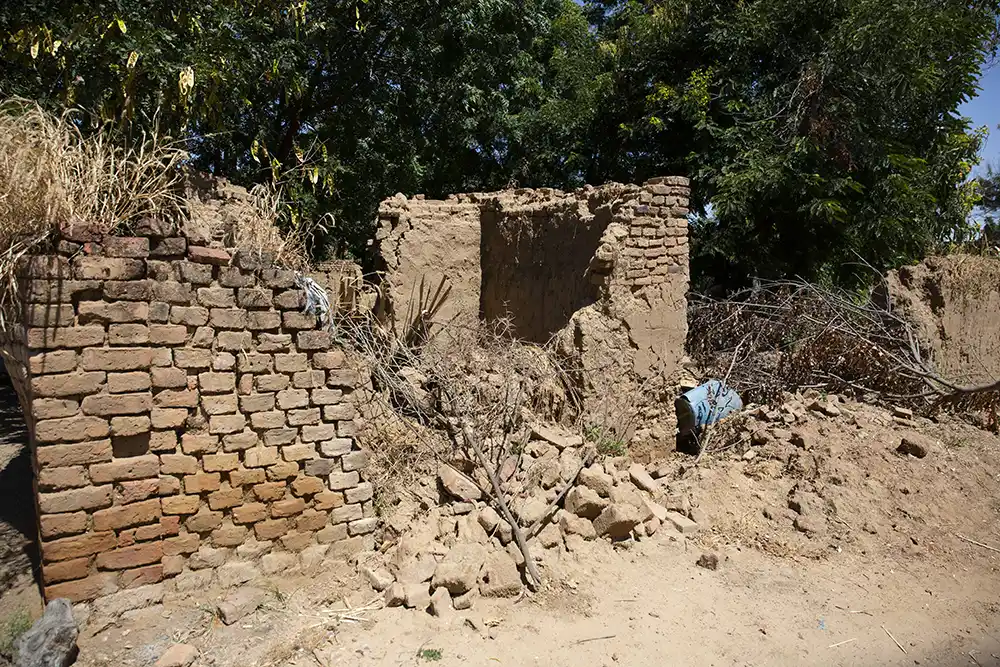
954	305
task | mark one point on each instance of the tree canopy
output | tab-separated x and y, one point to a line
816	134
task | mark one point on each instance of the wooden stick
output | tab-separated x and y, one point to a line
535	527
846	641
978	544
894	639
593	639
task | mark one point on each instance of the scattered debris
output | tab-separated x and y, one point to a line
708	560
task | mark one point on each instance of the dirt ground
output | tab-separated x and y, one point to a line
885	563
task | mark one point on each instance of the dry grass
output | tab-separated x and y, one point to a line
52	176
258	232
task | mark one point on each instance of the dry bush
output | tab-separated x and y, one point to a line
51	175
257	230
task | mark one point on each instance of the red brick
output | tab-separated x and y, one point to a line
307	486
203	521
61	525
246	477
129	557
258	320
270	530
126	246
65	337
171	525
202	255
79	546
289	507
202	483
116	359
176	398
168	486
122	383
216	297
153	531
250	513
66	570
182	544
311	521
86	498
136	514
117	404
67	384
199	443
54	408
225	497
180	504
57	479
130	426
167	334
59	361
141	576
133	492
84	453
168	378
112	312
328	500
135	467
82	590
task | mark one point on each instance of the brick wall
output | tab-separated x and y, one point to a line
183	412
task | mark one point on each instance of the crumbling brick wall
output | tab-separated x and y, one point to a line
183	412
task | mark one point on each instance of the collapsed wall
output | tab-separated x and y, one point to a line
184	414
601	272
953	303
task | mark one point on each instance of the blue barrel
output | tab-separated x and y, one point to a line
705	405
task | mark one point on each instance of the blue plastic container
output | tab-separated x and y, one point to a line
705	405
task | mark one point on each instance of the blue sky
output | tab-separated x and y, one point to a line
985	110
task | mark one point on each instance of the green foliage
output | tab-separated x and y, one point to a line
11	628
429	654
608	444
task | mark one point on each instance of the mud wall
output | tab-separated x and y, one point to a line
184	415
954	304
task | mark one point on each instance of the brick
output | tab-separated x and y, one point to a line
292	398
216	297
178	464
162	441
271	419
151	532
174	246
270	491
199	443
234	442
275	277
193	358
134	491
125	246
307	486
245	477
260	457
43	266
80	546
328	500
49	315
292	300
165	418
267	383
108	268
231	276
117	404
282	470
362	526
67	384
347	429
244	386
192	316
107	312
346	513
332	534
339	481
250	513
168	378
280	436
254	362
303	417
71	429
86	498
136	514
225	497
329	360
302	452
336	447
54	408
234	341
135	467
341	412
121	383
182	544
312	340
288	507
202	255
291	363
176	398
96	451
65	337
172	565
320	467
167	334
220	462
217	383
273	342
117	359
202	483
203	521
219	404
129	426
61	525
203	337
343	378
129	557
191	272
53	291
308	379
354	461
171	525
66	570
180	504
82	590
270	530
318	432
322	396
58	361
172	292
254	297
141	576
310	521
223	361
57	479
230	318
263	320
223	424
296	541
257	403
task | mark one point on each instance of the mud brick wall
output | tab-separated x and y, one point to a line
184	413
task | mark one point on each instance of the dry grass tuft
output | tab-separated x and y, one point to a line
258	232
51	175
